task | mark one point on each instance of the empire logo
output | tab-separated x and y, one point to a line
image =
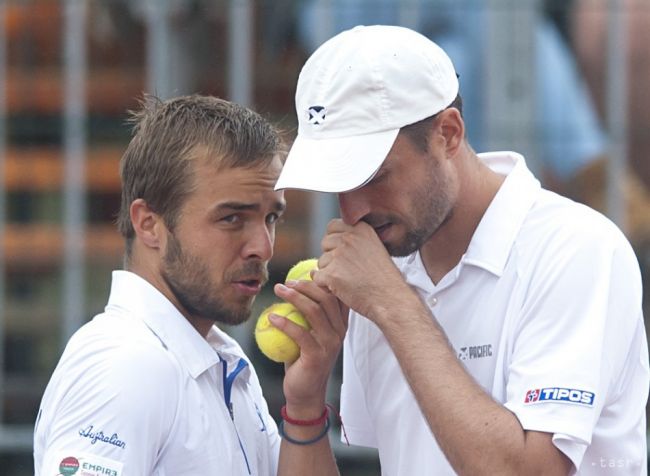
475	352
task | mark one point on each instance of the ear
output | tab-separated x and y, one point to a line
453	129
148	225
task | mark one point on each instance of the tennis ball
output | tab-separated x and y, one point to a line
274	343
301	270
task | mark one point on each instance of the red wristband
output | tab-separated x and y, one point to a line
316	421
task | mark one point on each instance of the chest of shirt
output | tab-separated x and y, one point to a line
212	437
478	316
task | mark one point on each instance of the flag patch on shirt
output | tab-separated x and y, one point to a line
560	395
85	464
68	465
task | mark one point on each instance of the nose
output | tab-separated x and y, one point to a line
259	243
353	206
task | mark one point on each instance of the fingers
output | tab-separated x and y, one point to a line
339	233
337	226
316	349
323	312
300	335
321	309
335	230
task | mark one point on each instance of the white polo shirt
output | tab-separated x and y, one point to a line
138	391
544	311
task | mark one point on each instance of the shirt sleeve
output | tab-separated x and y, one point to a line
571	344
111	408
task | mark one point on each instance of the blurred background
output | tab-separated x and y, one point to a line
562	81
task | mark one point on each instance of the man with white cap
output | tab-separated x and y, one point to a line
495	327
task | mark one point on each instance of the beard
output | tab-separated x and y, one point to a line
189	280
431	204
430	218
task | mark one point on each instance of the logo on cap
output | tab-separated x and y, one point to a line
316	114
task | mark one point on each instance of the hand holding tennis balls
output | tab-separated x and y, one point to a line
302	270
274	343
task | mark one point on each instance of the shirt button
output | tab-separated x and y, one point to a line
432	301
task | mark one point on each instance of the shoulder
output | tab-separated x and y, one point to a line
116	360
559	227
120	341
116	394
567	251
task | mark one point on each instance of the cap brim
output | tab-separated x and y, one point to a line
335	165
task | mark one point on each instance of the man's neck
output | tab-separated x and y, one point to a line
442	252
150	271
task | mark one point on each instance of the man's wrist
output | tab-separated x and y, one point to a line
304	435
304	430
303	411
305	422
384	310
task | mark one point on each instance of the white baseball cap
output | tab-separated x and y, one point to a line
354	94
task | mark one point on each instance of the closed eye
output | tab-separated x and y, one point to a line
273	218
230	219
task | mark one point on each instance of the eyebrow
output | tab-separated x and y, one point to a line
279	206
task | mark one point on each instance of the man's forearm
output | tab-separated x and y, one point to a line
312	458
476	433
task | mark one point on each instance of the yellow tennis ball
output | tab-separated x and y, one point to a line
301	270
274	343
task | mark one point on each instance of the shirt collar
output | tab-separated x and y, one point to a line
496	233
492	241
139	298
